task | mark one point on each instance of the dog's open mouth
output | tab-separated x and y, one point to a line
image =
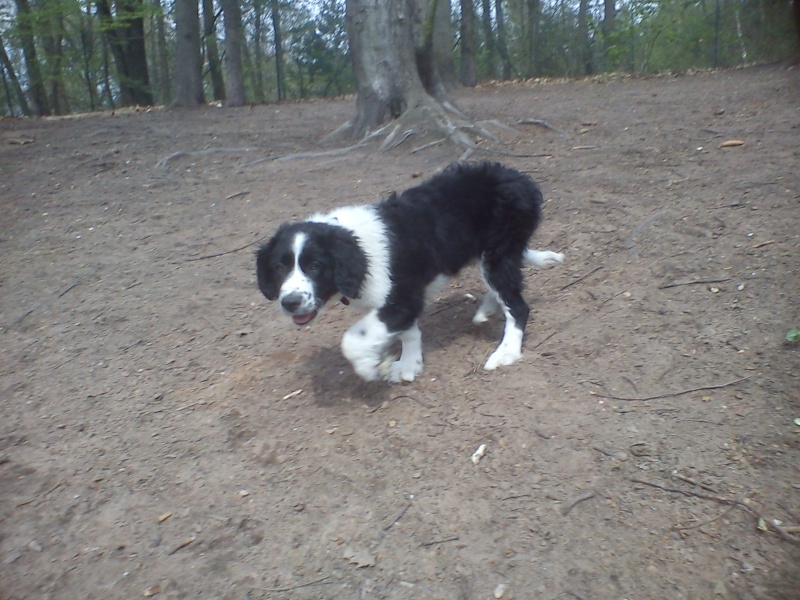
304	319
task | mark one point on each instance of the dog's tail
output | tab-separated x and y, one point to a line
544	259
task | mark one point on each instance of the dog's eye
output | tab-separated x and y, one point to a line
313	267
280	268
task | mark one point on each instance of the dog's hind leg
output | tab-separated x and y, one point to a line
543	259
410	363
505	281
488	307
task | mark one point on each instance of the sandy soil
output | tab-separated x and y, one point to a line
165	432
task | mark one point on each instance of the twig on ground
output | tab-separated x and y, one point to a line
218	254
666	286
182	545
581	278
542	123
561	328
237	194
785	533
451	538
703	523
630	244
299	585
671	394
569	505
398	517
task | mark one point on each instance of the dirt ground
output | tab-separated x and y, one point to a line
166	432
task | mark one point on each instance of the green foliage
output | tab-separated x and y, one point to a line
793	336
646	36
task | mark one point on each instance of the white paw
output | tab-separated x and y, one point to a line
502	357
480	317
400	371
544	259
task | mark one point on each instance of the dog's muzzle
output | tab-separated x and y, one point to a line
298	306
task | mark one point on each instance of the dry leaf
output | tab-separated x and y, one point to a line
360	558
731	143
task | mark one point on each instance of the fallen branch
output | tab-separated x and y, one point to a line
785	533
671	394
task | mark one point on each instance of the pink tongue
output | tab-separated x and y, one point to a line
303	319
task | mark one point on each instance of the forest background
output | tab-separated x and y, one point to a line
73	56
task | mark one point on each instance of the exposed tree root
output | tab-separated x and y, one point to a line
440	120
164	162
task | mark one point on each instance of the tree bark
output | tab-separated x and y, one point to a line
188	74
384	64
234	79
468	77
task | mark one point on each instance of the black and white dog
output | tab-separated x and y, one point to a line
387	257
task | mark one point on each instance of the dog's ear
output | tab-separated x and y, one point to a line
350	264
264	270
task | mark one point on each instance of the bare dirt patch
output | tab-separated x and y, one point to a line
165	432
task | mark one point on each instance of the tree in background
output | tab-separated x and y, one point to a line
188	68
41	105
234	79
125	35
77	55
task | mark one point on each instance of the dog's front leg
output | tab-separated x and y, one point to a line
410	363
364	345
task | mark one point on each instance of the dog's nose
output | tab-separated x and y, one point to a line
291	302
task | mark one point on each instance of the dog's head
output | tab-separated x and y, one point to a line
305	264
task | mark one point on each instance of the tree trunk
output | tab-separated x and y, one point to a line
382	51
87	52
609	26
125	36
53	24
17	88
41	106
468	77
443	44
258	51
534	21
164	85
212	52
280	83
188	74
584	43
131	13
488	35
425	50
234	78
502	44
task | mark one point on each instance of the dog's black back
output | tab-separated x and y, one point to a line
469	211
